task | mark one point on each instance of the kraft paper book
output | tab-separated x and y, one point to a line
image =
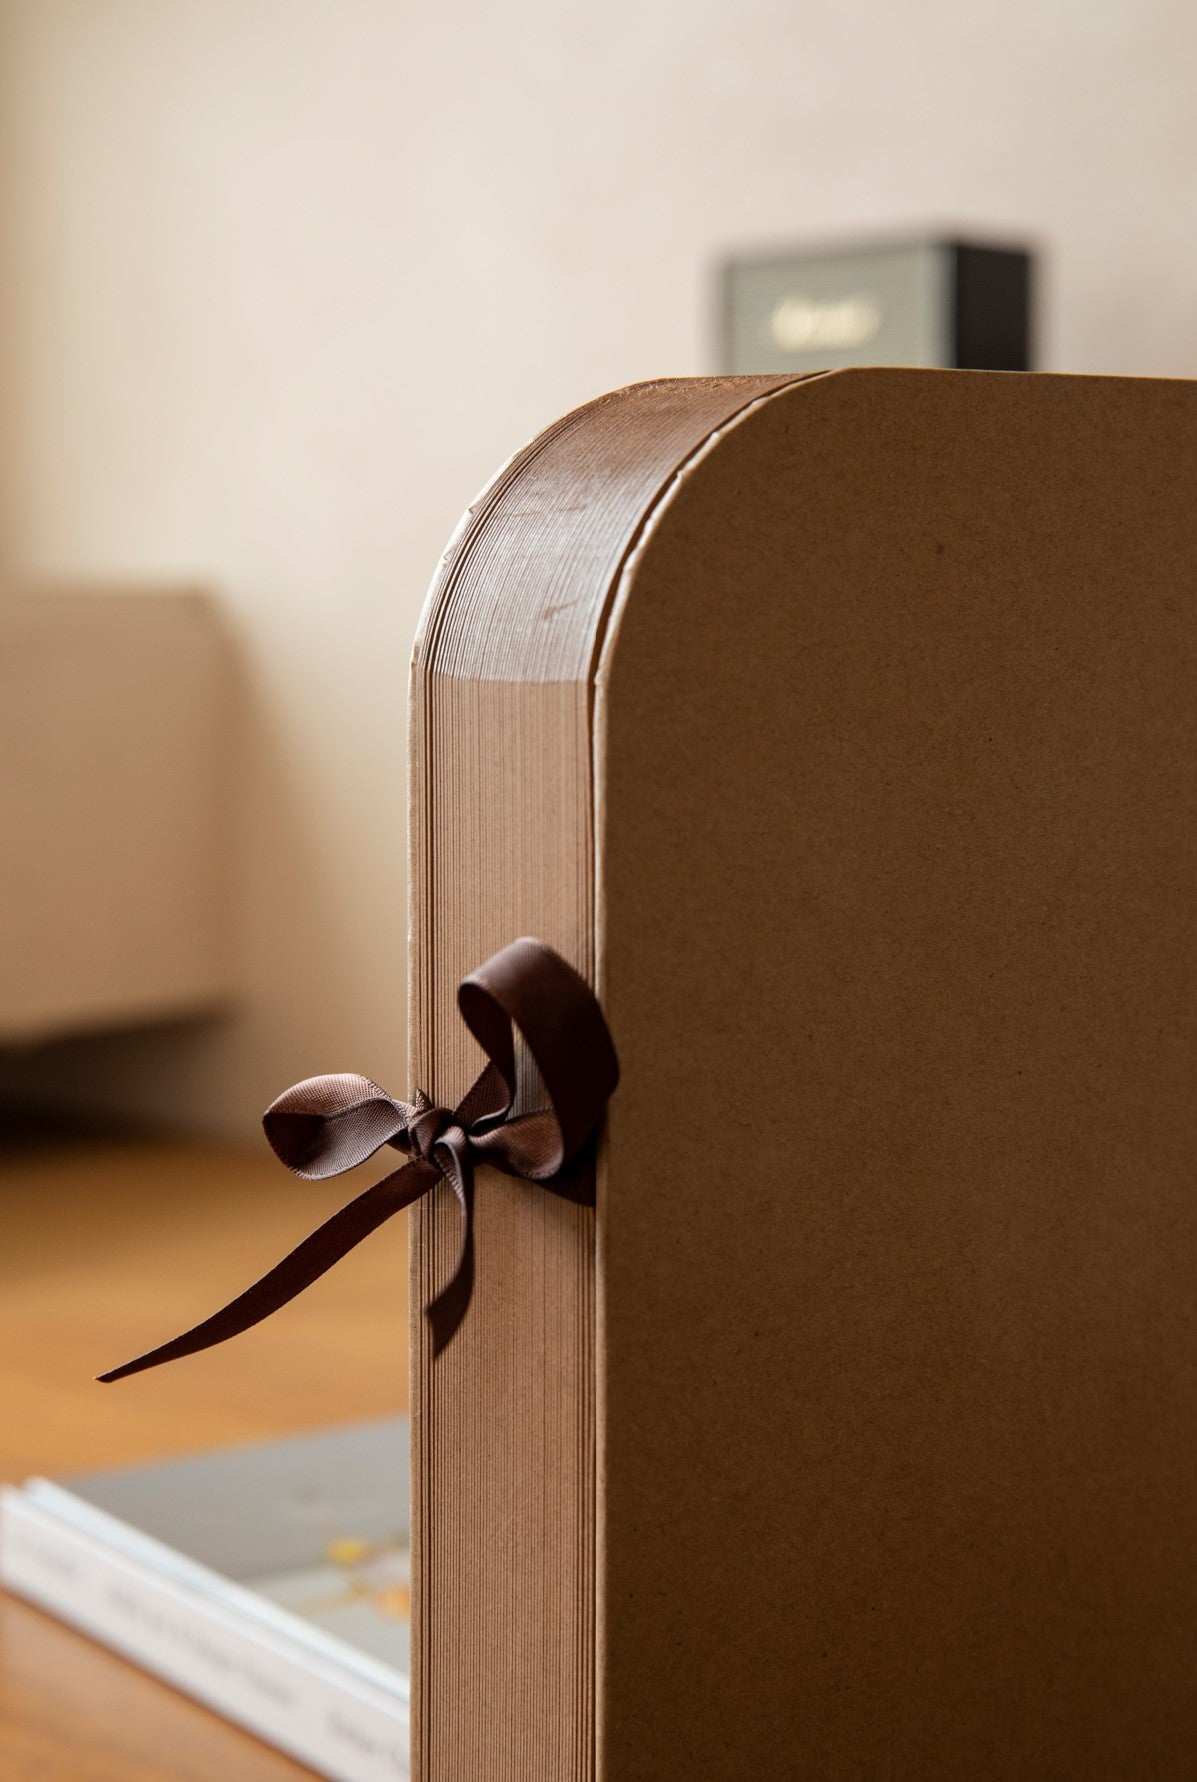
841	733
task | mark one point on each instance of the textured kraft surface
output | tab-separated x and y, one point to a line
896	770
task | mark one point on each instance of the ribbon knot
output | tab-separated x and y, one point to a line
429	1126
327	1125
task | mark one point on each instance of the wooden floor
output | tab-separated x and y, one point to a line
107	1247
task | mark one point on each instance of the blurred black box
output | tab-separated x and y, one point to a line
914	302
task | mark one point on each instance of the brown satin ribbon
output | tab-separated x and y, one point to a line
327	1125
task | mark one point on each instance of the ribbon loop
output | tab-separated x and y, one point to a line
327	1125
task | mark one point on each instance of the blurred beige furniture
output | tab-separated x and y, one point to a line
115	718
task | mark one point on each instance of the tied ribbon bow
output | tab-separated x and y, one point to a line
327	1125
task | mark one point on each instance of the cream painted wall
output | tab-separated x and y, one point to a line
284	279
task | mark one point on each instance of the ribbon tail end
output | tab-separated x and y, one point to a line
444	1322
446	1313
305	1264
